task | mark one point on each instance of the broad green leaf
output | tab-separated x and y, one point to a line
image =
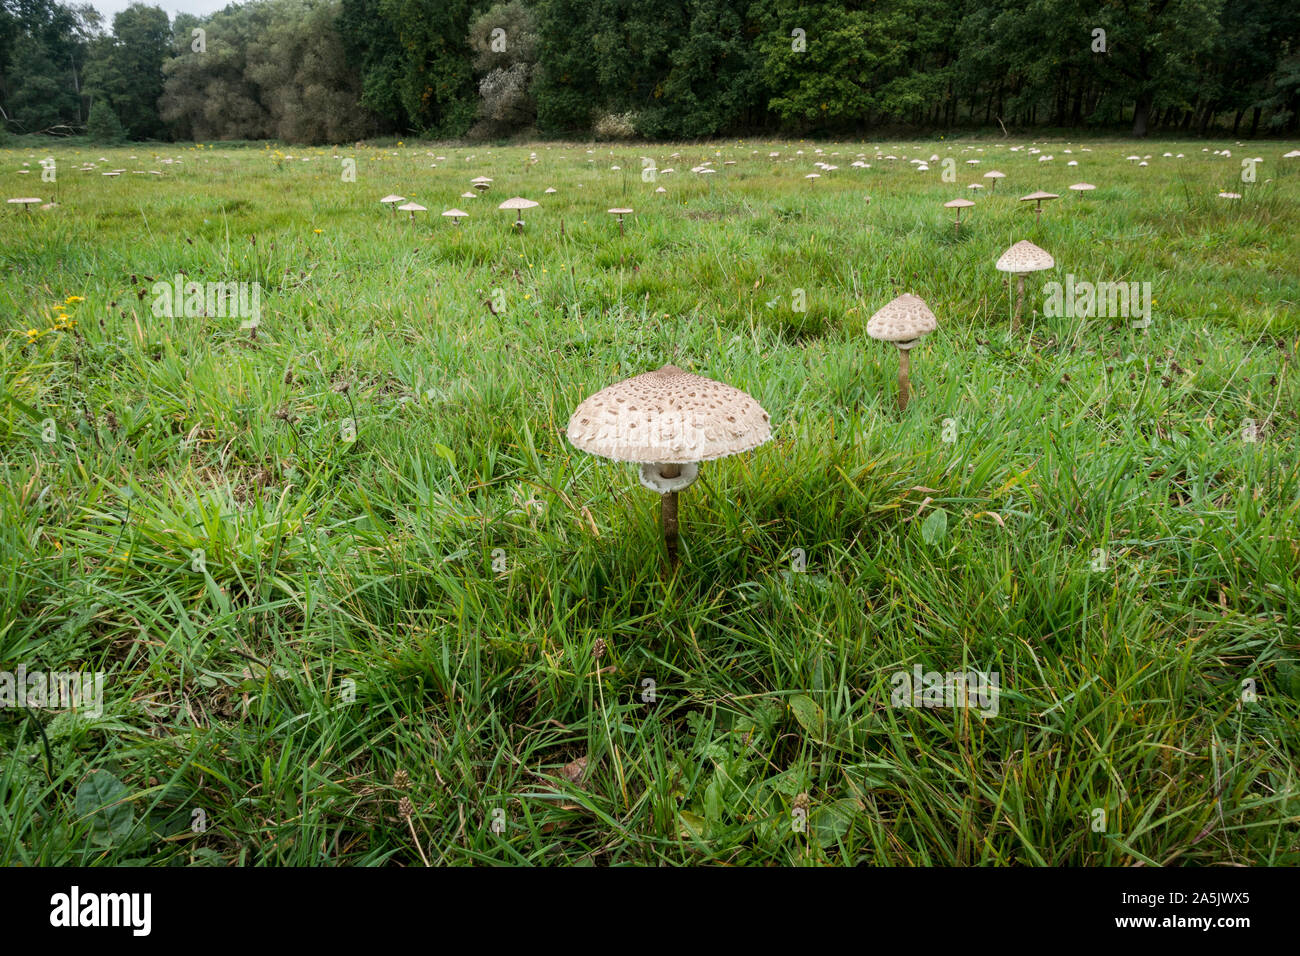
831	821
935	527
105	801
808	714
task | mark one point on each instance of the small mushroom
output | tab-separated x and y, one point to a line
412	208
1022	258
620	213
995	176
959	205
481	183
456	216
1082	188
668	421
518	204
23	202
1038	198
903	322
391	201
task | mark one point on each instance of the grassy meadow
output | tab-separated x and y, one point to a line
357	600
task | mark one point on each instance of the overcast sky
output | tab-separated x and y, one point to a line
199	7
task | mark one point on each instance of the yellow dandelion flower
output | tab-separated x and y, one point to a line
73	298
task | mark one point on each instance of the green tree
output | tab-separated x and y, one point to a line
126	69
104	126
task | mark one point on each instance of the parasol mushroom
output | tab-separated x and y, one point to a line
412	208
1038	197
620	213
518	204
668	421
902	322
1022	258
959	205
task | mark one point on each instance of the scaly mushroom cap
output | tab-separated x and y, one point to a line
902	321
620	212
411	207
668	416
456	214
392	198
1039	195
1023	257
1082	187
518	202
957	204
994	174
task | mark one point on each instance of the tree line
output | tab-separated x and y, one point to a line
329	71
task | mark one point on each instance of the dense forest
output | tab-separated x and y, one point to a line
328	71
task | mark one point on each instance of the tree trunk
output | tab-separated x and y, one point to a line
1141	113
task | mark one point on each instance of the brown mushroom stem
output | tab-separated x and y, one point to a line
1020	302
668	512
904	384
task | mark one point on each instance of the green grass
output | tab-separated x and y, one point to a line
1113	548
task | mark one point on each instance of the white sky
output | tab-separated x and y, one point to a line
198	7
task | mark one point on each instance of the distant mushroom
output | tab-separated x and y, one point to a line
469	195
456	216
661	190
550	190
412	208
620	213
902	322
959	205
812	178
1022	258
1083	188
995	176
518	204
481	183
1038	197
668	421
23	202
391	201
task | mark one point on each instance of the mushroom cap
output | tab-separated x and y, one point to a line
957	204
25	201
994	174
517	202
411	207
620	212
1024	257
549	190
469	196
480	179
668	416
456	214
393	197
1039	194
1082	187
905	319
